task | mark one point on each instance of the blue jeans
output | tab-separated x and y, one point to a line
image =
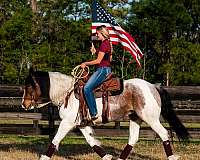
96	79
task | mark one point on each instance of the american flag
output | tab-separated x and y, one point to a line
117	35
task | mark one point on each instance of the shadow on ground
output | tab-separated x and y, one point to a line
67	151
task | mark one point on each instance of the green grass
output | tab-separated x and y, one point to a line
75	147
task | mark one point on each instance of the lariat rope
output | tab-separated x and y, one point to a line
77	74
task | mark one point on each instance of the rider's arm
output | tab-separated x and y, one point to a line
94	62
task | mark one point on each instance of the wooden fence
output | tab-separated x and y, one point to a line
44	121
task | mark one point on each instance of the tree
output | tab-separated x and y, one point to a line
55	36
15	40
162	21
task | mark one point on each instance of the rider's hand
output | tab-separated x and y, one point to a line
92	49
83	65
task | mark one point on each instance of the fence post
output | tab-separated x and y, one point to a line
51	122
117	125
36	124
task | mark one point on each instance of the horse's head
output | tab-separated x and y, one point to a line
36	90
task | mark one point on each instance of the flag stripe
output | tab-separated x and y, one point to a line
119	36
117	33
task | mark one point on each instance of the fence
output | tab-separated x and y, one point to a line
44	121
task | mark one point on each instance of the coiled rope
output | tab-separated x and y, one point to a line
78	71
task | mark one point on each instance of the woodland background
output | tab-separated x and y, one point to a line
54	35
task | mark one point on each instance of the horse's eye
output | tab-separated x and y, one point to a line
28	86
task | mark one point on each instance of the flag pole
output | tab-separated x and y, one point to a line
94	11
144	72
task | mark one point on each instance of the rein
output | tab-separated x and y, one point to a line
36	105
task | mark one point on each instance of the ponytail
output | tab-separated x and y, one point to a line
105	32
111	49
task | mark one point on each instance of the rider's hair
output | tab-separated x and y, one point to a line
105	32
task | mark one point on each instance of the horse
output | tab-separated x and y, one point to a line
140	101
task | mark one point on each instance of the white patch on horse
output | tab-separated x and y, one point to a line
59	86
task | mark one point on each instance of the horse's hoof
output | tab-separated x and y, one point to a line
44	157
173	157
107	157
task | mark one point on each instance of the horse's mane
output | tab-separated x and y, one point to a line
37	75
53	85
60	75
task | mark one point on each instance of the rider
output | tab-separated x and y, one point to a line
103	64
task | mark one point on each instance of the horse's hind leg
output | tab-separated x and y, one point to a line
134	128
94	143
163	133
64	127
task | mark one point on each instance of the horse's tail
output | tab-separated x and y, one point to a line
169	114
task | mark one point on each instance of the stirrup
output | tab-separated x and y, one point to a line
86	122
94	118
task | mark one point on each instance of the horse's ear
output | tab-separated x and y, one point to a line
31	71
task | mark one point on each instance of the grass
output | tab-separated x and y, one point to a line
30	147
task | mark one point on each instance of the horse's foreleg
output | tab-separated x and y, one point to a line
64	127
94	143
134	128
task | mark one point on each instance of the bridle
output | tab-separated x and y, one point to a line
34	93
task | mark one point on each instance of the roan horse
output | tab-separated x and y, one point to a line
139	101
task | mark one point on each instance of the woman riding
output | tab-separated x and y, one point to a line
103	64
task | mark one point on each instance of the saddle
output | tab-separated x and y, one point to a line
111	86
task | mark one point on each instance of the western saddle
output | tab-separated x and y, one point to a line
111	86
